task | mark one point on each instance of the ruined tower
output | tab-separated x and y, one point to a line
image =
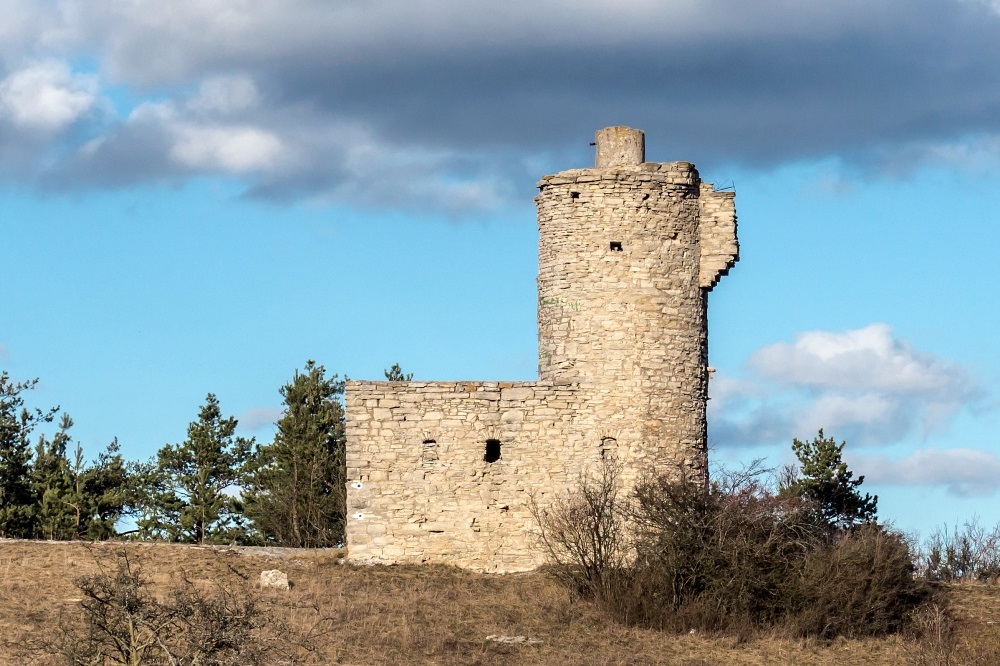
628	250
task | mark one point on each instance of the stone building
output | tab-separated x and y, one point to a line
627	253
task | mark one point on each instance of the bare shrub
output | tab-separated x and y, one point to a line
733	557
971	552
714	558
585	533
861	583
124	623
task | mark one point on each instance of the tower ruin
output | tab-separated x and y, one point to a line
628	251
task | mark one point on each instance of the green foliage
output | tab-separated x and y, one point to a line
44	494
52	485
395	374
824	481
17	501
188	490
294	492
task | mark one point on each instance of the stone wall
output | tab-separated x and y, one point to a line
444	471
422	488
720	249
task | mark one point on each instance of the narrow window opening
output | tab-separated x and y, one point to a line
492	451
616	246
429	453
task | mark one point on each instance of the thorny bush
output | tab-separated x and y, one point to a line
124	623
731	556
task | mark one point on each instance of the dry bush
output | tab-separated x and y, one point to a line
424	615
733	557
585	533
941	640
861	583
971	552
715	558
122	622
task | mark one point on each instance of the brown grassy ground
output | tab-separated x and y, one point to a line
438	615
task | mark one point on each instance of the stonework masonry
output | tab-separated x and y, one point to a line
628	251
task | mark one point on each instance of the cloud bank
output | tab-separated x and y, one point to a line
864	385
962	472
397	104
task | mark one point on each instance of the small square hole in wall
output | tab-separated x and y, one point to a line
492	453
616	246
574	195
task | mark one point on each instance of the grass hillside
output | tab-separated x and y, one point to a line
339	614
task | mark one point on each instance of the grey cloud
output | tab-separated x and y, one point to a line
764	425
466	96
963	472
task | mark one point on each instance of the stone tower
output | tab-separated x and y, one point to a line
628	250
627	253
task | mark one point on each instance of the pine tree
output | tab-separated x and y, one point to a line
52	485
190	488
396	374
295	491
17	501
104	490
825	481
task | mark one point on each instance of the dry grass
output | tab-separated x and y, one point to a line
439	615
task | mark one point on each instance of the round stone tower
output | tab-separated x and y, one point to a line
627	253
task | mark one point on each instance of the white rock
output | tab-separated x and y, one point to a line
274	578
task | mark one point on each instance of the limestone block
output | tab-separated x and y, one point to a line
273	579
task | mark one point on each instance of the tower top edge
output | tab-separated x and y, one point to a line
681	173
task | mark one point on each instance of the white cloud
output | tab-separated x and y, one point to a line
963	472
865	359
221	148
864	384
47	95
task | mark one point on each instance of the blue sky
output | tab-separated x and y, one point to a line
201	197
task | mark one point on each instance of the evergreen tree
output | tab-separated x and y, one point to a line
17	499
103	490
395	374
295	490
824	480
188	494
52	485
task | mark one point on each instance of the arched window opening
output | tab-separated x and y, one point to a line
609	448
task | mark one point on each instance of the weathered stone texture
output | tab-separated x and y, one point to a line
720	249
627	254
